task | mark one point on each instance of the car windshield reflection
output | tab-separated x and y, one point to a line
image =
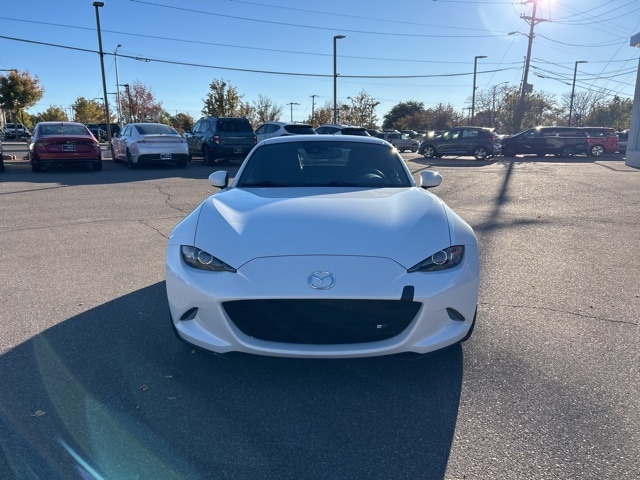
324	164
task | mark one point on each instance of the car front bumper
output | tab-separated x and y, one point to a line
375	307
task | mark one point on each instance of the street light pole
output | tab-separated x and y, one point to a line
473	95
573	88
335	79
126	86
115	57
313	105
292	104
97	5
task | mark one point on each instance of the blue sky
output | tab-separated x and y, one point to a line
420	50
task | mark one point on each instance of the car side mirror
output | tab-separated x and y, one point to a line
219	179
429	179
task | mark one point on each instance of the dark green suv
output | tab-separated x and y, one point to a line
214	138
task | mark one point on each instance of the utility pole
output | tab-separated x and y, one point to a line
313	106
526	88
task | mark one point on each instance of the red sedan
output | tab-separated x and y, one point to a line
63	143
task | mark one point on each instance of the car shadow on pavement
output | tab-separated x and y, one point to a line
111	393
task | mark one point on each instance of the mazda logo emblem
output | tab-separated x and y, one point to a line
321	280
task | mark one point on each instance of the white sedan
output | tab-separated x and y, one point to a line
140	143
323	247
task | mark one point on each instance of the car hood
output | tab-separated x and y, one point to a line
237	225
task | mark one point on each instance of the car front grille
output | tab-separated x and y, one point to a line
321	322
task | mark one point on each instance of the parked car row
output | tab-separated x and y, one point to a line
221	138
484	143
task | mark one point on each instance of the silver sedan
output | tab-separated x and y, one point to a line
140	143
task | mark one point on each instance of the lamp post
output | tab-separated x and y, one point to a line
573	88
115	61
335	78
97	5
473	95
126	86
292	104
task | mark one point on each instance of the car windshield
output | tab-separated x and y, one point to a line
152	129
324	164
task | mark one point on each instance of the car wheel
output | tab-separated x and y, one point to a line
429	152
207	156
480	153
414	149
567	152
36	167
597	150
508	152
97	166
130	163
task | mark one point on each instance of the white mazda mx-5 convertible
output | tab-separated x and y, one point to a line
323	247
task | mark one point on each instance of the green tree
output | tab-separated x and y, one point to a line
51	114
88	111
400	110
616	114
222	100
18	92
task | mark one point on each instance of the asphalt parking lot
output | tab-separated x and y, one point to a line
95	385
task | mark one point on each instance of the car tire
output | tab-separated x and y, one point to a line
36	167
130	163
567	151
480	153
207	156
597	150
429	152
508	152
414	149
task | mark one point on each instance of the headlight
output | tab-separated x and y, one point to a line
196	258
442	260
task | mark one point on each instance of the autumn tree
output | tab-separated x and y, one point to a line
18	92
321	115
222	100
182	122
361	111
138	104
265	110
